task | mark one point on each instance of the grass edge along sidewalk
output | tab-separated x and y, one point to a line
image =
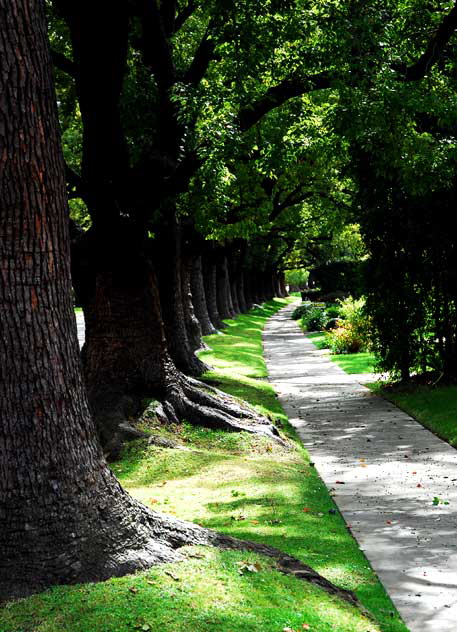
434	405
242	485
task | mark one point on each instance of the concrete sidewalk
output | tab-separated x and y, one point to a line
384	470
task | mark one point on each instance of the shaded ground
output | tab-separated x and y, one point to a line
384	470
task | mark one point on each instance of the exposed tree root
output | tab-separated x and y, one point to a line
130	538
183	399
205	405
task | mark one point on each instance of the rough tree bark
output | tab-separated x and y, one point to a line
234	280
168	261
194	329
125	355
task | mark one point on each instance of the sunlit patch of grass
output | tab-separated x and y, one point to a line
353	363
208	591
240	484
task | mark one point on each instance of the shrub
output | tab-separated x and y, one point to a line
315	319
301	310
344	339
333	311
332	323
352	334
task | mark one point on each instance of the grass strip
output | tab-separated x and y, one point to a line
242	485
352	363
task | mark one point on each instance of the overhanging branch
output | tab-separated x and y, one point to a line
434	50
279	94
64	64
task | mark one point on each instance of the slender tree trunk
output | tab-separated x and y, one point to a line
194	330
240	288
224	302
199	298
234	279
168	258
259	287
209	279
248	292
282	284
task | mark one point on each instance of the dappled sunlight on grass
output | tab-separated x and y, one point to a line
244	485
208	591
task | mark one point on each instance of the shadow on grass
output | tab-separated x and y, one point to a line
151	465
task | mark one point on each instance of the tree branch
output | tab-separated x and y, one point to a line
155	44
202	58
432	53
279	94
75	184
185	13
64	64
168	16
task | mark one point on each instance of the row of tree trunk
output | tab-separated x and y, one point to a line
146	307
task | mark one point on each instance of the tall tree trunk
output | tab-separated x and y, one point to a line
224	301
240	288
248	291
209	279
63	516
282	284
168	258
234	280
194	330
199	298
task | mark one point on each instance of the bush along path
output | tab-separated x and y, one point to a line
243	486
394	482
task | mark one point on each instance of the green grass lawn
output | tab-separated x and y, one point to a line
350	362
243	485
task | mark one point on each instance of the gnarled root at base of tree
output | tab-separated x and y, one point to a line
185	398
204	405
117	538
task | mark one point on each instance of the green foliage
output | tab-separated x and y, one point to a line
352	363
344	339
297	278
314	319
346	276
353	331
333	311
301	310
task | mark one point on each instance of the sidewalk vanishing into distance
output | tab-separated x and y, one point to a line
383	468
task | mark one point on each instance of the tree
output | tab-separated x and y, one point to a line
64	518
151	89
400	123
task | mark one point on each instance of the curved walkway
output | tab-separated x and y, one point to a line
383	469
